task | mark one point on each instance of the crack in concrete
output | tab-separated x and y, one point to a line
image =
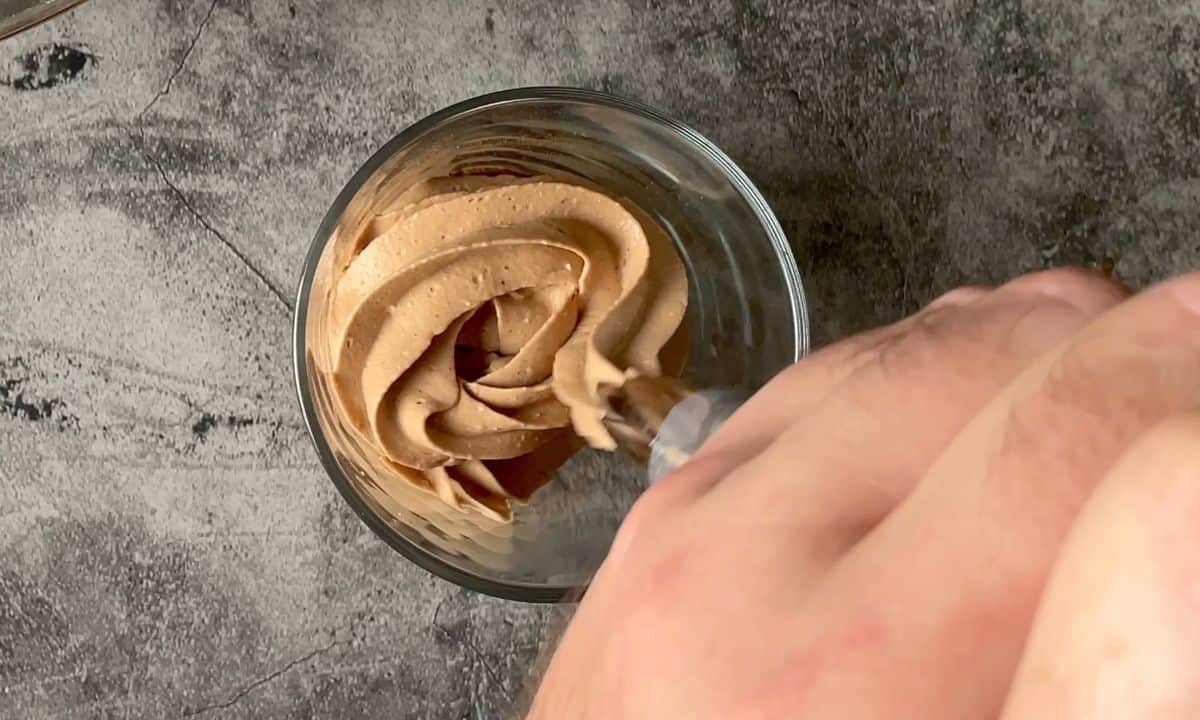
241	694
139	122
166	88
473	649
241	256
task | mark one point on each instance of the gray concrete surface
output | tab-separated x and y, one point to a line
169	546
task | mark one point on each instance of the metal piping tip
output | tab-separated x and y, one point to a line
660	422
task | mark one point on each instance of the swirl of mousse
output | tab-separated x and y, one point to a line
474	332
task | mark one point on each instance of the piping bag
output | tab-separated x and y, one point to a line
662	423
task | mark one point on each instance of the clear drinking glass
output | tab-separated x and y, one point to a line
746	315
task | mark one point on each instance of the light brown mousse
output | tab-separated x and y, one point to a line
475	329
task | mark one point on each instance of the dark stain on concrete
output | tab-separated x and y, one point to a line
207	422
16	401
48	66
14	404
203	425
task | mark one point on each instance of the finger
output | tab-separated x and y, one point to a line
962	562
808	383
773	408
861	445
803	385
1117	633
776	405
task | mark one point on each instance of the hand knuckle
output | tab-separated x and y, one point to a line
1077	287
959	296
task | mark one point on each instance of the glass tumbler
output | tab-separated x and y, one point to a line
746	316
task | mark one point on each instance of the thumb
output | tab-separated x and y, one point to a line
1117	634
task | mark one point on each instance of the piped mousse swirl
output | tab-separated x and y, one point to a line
474	329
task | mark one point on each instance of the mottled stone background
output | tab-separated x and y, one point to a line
169	546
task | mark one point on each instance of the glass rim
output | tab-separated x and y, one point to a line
32	15
525	592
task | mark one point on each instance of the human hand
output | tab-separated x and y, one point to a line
988	509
